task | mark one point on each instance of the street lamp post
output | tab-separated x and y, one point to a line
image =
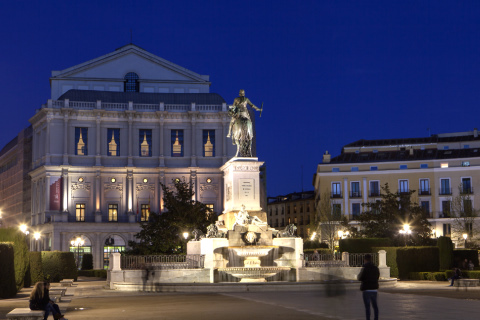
405	231
77	243
185	236
37	236
465	236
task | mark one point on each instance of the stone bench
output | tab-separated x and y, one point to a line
67	282
25	314
58	291
466	283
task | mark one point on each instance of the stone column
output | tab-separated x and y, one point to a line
346	258
98	211
382	258
130	140
131	213
115	273
161	160
65	198
47	142
65	139
193	141
98	160
345	196
365	190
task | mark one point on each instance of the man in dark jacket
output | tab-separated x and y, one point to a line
369	277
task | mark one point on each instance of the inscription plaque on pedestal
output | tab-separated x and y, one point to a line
246	189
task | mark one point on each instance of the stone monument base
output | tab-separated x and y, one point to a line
229	218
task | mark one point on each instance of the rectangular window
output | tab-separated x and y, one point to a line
446	209
465	163
337	211
466	146
355	210
447	229
145	142
424	187
335	169
81	141
403	186
354	169
209	143
403	166
445	147
113	142
374	188
355	189
373	168
177	143
445	186
145	212
336	190
467	186
80	211
423	165
426	207
113	212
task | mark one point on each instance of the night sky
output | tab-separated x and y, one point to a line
328	72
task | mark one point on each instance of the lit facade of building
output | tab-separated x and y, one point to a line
115	129
15	183
295	208
439	168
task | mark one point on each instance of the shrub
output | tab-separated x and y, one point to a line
57	265
36	271
8	287
436	276
363	245
99	273
459	256
87	261
418	275
471	274
445	248
21	253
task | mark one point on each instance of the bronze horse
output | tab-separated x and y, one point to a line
242	133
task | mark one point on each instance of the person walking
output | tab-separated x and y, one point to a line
369	277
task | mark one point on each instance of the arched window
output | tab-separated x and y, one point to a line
131	82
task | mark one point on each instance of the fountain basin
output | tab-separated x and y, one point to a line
253	274
252	251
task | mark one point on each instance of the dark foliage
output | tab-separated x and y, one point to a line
87	261
362	245
58	265
36	269
21	253
459	256
162	234
8	288
445	247
99	273
385	218
308	244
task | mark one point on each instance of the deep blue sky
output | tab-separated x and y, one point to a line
328	72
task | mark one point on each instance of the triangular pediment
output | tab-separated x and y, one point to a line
130	58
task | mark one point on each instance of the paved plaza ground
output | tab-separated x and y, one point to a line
407	300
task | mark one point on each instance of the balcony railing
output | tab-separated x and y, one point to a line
374	193
88	105
355	194
445	191
466	190
424	192
336	194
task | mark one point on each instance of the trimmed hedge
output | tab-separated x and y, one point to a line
445	247
36	270
8	287
21	253
58	265
402	261
363	245
99	273
431	276
308	244
87	261
459	255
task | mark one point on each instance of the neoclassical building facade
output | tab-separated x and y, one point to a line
116	128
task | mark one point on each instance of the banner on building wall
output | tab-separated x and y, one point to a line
56	195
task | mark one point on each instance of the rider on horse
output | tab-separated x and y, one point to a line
242	111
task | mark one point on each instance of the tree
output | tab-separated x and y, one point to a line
384	218
329	220
464	215
162	233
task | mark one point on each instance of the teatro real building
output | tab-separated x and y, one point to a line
114	129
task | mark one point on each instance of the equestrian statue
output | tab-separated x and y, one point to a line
241	128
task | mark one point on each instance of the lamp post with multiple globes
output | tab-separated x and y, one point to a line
465	236
79	242
405	231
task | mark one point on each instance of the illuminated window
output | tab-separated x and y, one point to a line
209	143
113	142
444	165
177	143
81	141
465	163
210	206
145	140
131	82
80	211
113	212
403	186
145	212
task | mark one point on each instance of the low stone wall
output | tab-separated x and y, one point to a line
335	273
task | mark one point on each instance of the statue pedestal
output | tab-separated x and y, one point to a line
241	187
